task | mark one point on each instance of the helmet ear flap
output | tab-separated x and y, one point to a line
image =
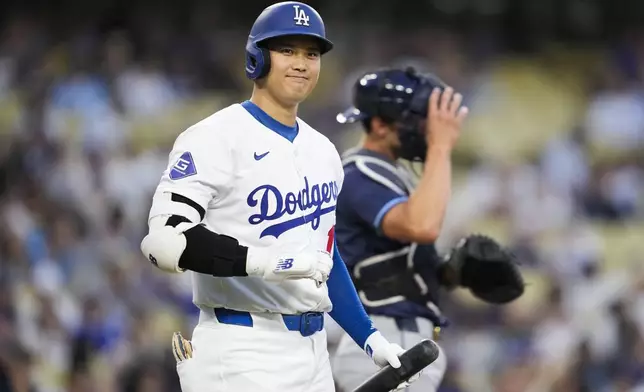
258	61
266	67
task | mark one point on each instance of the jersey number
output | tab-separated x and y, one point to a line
329	243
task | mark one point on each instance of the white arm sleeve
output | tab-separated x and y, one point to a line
199	169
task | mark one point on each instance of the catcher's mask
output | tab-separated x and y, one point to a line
398	97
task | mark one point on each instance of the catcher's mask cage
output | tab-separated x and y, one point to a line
396	96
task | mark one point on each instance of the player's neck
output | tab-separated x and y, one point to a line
286	115
380	148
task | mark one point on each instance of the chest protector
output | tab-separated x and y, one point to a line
408	273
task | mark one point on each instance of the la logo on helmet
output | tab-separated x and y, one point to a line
300	18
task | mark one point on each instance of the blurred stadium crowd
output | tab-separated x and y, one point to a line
551	162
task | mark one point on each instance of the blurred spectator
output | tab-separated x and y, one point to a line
615	115
565	163
15	367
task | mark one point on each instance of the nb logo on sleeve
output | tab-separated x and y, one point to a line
284	264
300	18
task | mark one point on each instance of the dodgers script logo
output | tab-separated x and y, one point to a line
273	206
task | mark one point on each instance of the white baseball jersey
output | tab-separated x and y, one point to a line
262	189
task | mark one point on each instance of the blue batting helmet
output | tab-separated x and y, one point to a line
397	96
277	20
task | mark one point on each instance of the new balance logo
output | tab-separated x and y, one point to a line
284	264
300	18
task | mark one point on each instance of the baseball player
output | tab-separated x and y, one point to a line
388	220
247	205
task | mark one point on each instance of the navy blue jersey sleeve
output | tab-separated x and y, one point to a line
369	199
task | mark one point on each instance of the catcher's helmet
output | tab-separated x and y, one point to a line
281	19
398	96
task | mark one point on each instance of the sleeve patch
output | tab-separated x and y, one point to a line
184	167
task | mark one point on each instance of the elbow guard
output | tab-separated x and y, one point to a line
198	249
164	246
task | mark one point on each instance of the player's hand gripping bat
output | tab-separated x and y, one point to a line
412	361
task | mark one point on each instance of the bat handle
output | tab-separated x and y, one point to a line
412	361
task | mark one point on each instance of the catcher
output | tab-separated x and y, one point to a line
387	219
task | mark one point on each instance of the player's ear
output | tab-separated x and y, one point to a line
379	128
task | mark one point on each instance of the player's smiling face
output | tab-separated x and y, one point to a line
295	68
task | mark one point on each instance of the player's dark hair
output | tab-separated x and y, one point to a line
366	124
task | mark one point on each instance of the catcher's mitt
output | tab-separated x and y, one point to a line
487	269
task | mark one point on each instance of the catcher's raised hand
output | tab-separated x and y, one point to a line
445	116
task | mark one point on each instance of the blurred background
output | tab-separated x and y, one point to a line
551	162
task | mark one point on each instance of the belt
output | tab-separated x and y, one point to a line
306	323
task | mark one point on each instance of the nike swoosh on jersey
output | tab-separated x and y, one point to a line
258	157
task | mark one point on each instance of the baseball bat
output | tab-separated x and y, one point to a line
412	361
